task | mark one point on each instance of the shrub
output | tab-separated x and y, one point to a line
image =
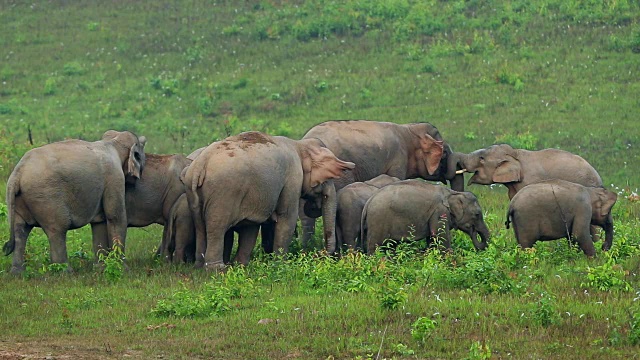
422	329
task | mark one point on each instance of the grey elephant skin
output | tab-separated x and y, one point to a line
351	201
69	184
406	151
556	209
517	168
249	179
424	211
152	201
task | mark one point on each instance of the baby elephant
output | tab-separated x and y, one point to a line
428	210
555	209
351	201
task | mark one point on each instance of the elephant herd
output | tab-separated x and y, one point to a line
361	176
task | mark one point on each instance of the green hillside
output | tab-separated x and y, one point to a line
552	73
533	73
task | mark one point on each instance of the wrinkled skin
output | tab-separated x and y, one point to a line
422	210
246	180
556	209
151	200
517	168
404	151
351	201
69	184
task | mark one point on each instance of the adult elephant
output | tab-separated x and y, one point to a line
245	180
517	168
152	199
415	150
69	184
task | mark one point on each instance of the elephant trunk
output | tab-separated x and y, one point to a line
455	171
329	208
484	237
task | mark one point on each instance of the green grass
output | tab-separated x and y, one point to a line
536	74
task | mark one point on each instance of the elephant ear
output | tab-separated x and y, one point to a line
135	162
320	164
606	200
456	205
432	150
508	170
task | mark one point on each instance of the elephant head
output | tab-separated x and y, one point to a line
467	216
320	166
131	150
428	150
495	164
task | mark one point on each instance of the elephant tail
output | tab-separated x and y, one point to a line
363	229
13	188
168	235
509	217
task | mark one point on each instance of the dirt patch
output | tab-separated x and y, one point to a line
59	351
254	137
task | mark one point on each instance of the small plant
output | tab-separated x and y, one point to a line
113	262
470	135
403	350
479	351
607	277
392	296
321	86
73	68
93	26
544	312
50	86
422	329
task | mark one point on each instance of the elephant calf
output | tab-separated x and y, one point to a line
431	210
351	201
555	209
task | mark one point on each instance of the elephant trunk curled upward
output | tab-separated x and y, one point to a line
69	184
422	210
246	180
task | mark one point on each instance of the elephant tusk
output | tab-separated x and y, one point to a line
458	172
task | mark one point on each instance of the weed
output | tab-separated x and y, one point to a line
113	263
73	68
607	277
392	296
50	86
544	311
634	326
479	351
403	350
422	329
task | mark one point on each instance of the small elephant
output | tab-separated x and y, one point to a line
252	178
422	210
179	243
517	168
351	201
555	209
404	151
69	184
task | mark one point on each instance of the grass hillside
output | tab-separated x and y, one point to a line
532	73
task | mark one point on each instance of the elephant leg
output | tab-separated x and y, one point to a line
581	233
283	233
21	234
58	246
228	246
116	215
214	255
100	239
267	233
594	233
308	227
247	237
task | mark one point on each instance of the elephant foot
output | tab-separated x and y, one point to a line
215	267
606	247
17	270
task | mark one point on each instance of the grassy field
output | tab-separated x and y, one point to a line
536	74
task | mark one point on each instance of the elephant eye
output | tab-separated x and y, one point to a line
136	156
